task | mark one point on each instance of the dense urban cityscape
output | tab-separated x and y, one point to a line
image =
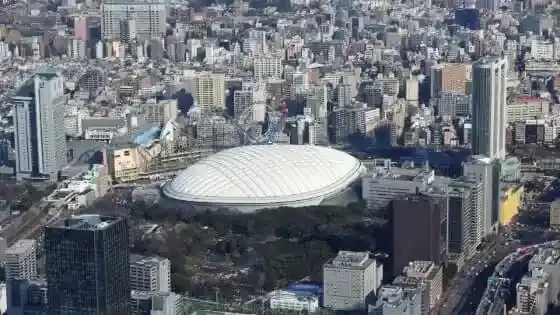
276	157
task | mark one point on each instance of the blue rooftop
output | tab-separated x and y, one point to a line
306	289
303	293
146	138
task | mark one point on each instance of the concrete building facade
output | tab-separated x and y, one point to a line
348	280
21	260
150	274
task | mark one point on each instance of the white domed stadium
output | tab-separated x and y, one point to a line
267	176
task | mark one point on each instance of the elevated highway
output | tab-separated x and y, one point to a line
498	286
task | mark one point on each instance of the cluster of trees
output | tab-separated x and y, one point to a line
279	245
31	195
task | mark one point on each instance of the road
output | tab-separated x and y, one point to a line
468	276
475	293
468	286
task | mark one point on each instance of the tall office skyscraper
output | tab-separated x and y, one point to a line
419	230
149	18
489	107
40	138
87	266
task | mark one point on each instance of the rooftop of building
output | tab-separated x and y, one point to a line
407	282
478	159
295	293
390	294
147	137
86	222
20	247
49	72
27	88
424	269
140	295
529	99
547	256
136	259
348	259
401	173
511	161
487	61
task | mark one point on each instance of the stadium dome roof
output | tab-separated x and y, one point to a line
265	174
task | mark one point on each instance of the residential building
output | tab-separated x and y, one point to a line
21	260
533	293
448	78
486	171
148	18
525	108
548	260
161	112
268	67
150	274
348	121
209	92
489	107
429	272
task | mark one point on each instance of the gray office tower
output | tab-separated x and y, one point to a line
87	266
40	138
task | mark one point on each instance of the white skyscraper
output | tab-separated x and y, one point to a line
40	137
486	171
489	107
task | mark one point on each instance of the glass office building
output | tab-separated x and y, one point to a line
87	266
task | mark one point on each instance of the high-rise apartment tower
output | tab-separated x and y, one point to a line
148	18
210	92
489	107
